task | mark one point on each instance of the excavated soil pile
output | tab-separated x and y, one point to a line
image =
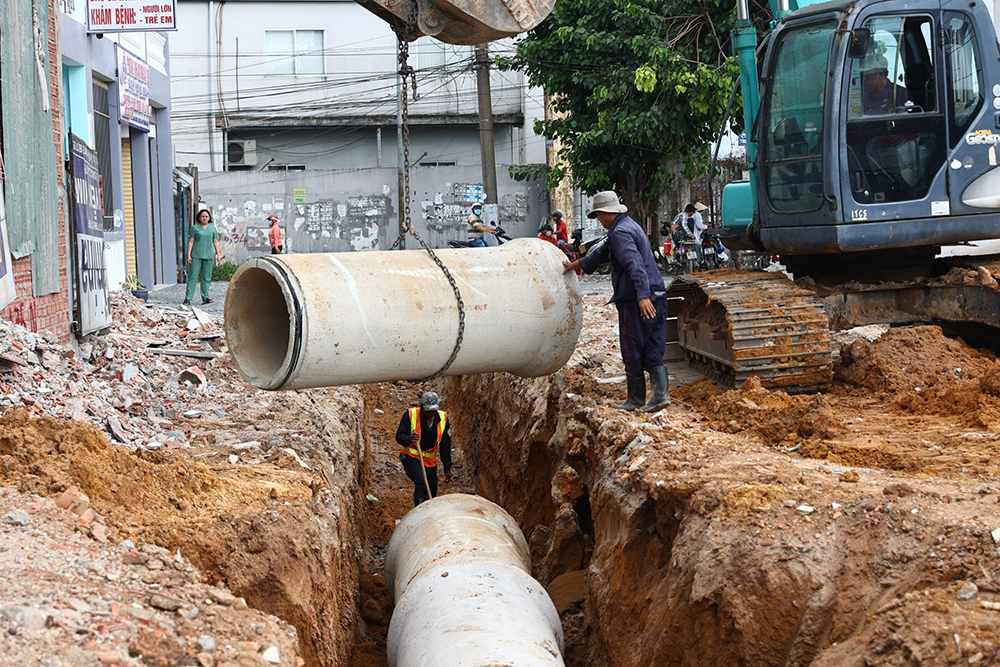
160	497
255	528
780	419
979	276
926	374
698	547
904	358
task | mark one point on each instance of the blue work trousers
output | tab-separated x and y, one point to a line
643	341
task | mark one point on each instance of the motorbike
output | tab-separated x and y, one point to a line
583	248
713	253
679	254
501	235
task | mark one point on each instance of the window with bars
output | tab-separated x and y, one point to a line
291	52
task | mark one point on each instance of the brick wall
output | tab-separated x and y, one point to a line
50	311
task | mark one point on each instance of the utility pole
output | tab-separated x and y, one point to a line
491	213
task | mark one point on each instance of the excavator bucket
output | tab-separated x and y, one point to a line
463	21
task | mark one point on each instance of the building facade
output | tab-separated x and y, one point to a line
134	152
32	206
283	86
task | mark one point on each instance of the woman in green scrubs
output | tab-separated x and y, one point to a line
203	248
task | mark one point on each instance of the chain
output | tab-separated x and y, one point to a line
406	71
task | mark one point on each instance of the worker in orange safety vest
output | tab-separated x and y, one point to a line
428	427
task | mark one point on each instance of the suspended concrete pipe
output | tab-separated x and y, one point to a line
327	319
458	570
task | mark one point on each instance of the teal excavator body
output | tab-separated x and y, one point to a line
837	164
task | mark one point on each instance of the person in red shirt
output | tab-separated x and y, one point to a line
562	236
274	235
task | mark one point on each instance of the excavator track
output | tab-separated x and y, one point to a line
736	324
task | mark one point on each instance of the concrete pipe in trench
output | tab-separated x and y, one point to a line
327	319
458	570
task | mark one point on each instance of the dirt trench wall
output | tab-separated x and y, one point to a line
680	567
304	568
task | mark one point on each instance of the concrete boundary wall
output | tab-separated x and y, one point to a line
337	211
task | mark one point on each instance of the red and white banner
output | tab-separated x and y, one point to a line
128	15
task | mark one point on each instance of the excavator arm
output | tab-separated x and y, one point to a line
463	21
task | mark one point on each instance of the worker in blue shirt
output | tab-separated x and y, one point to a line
640	297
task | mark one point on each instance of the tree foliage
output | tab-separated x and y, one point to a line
641	83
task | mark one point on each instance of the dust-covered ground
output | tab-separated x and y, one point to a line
232	526
175	476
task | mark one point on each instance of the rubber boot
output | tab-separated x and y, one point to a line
636	394
661	390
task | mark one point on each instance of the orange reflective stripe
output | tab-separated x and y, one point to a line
429	455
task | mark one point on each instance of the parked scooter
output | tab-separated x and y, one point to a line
713	253
687	250
576	245
501	235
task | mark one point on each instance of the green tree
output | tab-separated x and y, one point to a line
641	83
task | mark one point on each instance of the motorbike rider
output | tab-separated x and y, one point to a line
477	227
559	226
545	233
691	223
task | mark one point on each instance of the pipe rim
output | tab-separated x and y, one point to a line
241	333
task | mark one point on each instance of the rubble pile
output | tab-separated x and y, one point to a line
74	604
146	435
142	382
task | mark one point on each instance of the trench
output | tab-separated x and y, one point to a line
604	546
646	565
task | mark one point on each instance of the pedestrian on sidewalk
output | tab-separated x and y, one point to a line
203	241
640	297
424	432
274	235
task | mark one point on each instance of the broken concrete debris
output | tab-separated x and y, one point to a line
114	380
117	606
17	518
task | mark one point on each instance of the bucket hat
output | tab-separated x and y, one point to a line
606	202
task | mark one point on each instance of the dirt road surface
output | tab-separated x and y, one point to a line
229	526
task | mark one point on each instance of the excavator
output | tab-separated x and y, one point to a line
873	132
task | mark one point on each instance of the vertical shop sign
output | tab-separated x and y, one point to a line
88	225
133	90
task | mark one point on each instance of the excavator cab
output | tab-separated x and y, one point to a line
878	128
462	21
873	142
